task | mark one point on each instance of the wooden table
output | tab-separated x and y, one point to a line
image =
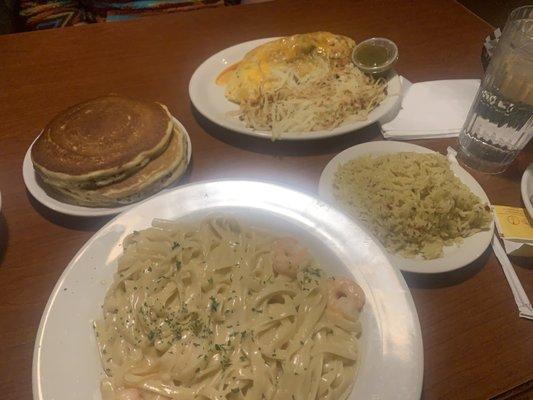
475	344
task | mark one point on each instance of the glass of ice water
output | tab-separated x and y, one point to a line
500	121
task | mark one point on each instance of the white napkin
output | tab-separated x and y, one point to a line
432	109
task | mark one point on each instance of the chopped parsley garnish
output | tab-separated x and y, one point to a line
177	332
195	325
314	271
225	362
214	303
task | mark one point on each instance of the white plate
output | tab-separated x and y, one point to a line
66	363
526	187
30	180
209	99
455	257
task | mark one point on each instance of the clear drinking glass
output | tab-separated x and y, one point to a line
500	121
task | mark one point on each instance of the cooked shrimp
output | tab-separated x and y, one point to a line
345	298
288	256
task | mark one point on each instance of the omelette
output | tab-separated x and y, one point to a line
264	68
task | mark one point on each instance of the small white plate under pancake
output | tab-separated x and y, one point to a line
30	180
454	257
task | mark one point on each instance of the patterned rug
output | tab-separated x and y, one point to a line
45	14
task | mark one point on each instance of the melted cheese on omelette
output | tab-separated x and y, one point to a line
258	72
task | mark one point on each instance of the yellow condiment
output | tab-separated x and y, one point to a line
513	223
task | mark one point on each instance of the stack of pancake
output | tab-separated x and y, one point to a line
110	151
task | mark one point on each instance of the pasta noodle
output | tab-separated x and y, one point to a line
412	202
322	100
220	310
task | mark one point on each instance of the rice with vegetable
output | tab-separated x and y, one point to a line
412	202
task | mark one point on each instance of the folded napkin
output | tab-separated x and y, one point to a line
433	109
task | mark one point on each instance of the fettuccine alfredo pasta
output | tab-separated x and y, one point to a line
221	310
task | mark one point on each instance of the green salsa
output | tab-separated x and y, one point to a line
371	55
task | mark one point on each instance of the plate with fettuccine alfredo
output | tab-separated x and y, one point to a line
229	290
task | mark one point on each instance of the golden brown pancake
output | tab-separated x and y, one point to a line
101	141
154	176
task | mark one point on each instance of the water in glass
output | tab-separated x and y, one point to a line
500	122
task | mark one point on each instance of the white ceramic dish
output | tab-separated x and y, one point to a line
209	99
455	257
30	180
66	363
526	187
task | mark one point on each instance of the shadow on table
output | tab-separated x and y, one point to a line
522	262
523	391
445	279
68	221
83	223
290	147
4	238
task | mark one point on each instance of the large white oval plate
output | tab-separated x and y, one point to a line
526	188
66	363
30	180
455	257
208	97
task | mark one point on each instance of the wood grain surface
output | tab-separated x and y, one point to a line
475	345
